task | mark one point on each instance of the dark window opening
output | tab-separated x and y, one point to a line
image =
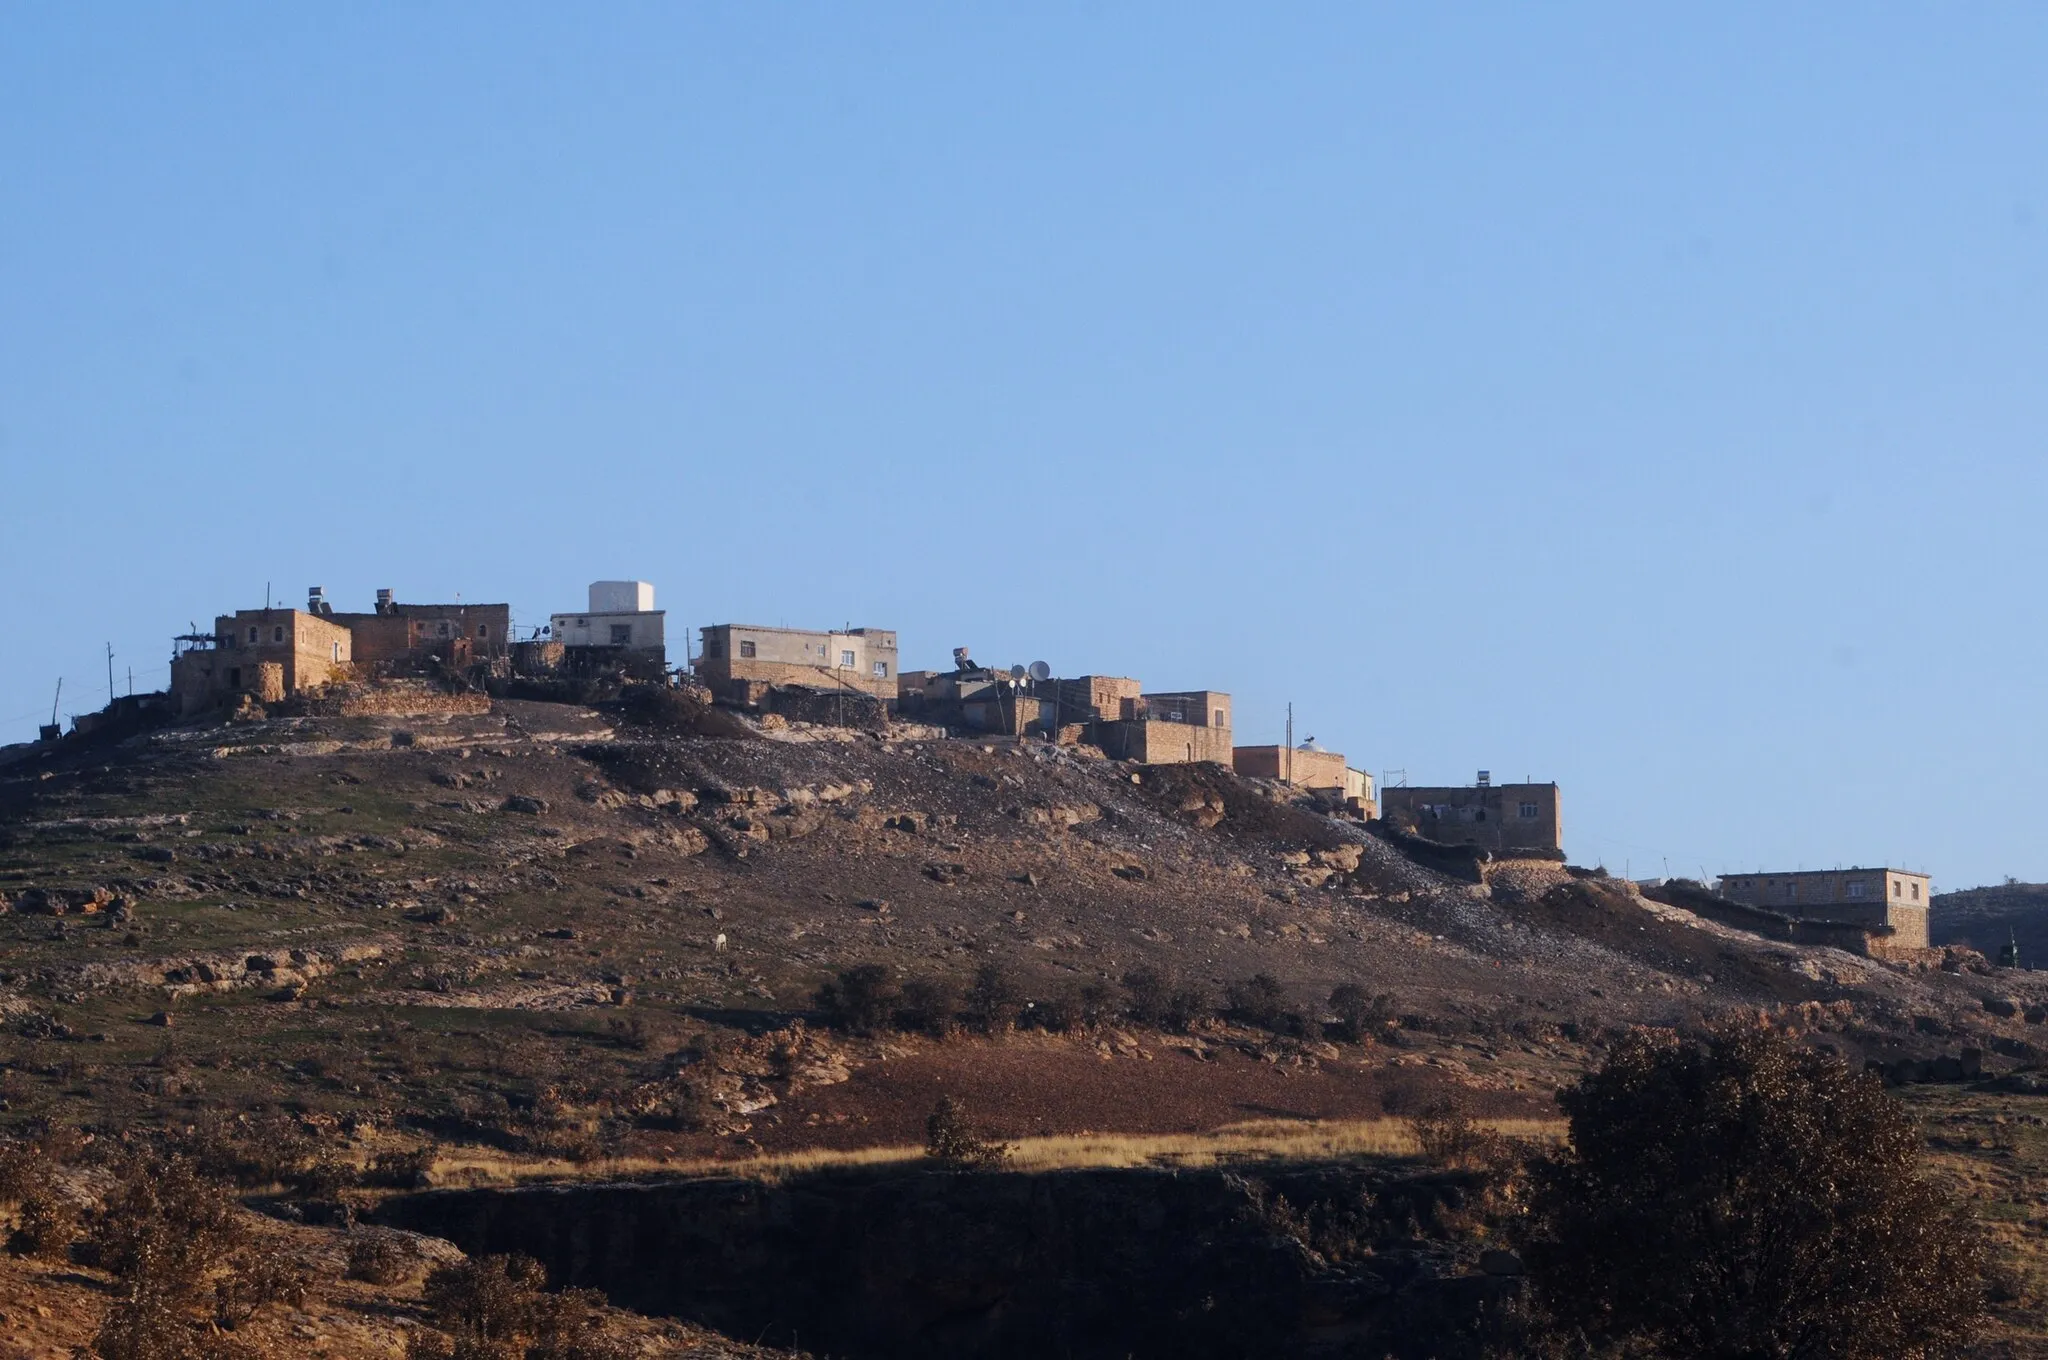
622	635
746	649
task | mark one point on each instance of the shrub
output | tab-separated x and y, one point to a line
1184	1008
497	1308
860	1000
1361	1016
1077	1008
994	998
48	1226
1746	1197
930	1004
381	1258
408	1170
1149	992
950	1139
1257	1000
166	1225
178	1243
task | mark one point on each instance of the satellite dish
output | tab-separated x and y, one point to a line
1040	671
1016	672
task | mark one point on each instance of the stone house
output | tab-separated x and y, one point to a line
1097	698
1503	818
1173	728
1891	899
393	634
734	656
267	654
1308	766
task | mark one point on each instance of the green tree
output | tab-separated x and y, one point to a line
1748	1199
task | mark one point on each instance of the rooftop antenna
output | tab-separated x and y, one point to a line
57	700
110	674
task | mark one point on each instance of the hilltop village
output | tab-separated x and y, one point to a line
398	655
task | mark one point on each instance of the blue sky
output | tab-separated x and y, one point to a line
1648	401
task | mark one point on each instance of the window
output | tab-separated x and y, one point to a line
622	635
277	633
747	649
1219	721
1856	888
881	670
252	635
1528	810
1916	892
846	660
234	677
337	653
443	629
1895	889
483	630
1791	891
714	649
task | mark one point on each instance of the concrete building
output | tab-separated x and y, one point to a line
1097	698
268	654
1174	728
1201	707
736	655
395	634
621	616
1893	898
1308	766
1499	817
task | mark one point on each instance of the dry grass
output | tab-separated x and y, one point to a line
1258	1140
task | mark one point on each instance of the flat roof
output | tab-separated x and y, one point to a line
1816	873
764	628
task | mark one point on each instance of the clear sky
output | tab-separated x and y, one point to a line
1650	402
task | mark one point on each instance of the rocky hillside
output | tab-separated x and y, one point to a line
550	939
477	925
1985	919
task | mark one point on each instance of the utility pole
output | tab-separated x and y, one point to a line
1290	745
57	700
110	673
131	682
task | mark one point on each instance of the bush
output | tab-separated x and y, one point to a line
1361	1016
48	1226
950	1139
1258	1000
1745	1197
497	1308
179	1244
382	1258
860	1000
994	998
409	1170
930	1004
1077	1008
1148	991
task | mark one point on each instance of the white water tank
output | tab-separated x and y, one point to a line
621	597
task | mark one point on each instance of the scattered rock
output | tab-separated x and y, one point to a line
520	802
1133	873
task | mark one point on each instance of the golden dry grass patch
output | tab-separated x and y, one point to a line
1273	1140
